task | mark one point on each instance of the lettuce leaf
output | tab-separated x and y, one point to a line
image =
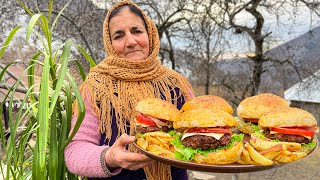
310	145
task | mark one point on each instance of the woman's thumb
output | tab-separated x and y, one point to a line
126	139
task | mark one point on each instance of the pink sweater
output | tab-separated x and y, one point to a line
82	155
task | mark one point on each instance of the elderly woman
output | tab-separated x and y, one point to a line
130	73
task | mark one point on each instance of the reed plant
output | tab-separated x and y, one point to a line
46	109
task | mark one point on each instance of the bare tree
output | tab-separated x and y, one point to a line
205	39
227	14
168	16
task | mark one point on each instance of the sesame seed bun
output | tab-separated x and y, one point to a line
158	108
287	117
207	101
254	107
204	118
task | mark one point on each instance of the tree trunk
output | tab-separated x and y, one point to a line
207	84
257	68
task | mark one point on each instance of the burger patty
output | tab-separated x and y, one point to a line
146	129
206	142
287	137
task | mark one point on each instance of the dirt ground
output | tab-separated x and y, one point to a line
304	169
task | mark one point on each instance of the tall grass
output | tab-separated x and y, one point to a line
48	109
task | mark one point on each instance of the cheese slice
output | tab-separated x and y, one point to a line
214	135
139	124
274	132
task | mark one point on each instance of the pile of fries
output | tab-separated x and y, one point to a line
264	152
157	143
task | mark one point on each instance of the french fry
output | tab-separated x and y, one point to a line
158	150
262	145
142	143
240	161
245	158
151	140
273	151
300	155
157	134
257	157
287	156
276	148
272	154
283	158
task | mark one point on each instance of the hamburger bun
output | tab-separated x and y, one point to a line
254	107
287	117
158	108
204	118
226	156
207	101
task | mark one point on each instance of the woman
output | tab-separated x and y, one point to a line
130	73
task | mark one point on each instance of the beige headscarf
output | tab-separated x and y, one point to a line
121	83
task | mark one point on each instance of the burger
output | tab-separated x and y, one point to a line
154	120
252	108
155	115
208	102
204	136
289	125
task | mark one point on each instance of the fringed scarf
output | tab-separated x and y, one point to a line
120	83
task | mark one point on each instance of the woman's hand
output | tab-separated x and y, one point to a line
118	156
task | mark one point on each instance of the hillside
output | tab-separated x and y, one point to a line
296	60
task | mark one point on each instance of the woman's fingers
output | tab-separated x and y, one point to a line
117	156
138	166
135	157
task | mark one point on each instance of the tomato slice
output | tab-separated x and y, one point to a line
209	130
293	130
251	120
145	120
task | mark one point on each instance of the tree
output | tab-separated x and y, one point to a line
227	14
169	16
205	39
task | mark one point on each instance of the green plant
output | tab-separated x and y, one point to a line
48	110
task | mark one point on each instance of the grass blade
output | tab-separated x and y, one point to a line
58	16
81	70
62	138
42	119
87	56
63	70
31	24
81	111
25	7
53	149
8	40
50	10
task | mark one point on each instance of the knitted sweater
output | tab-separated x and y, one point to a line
82	155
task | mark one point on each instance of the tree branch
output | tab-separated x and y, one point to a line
13	75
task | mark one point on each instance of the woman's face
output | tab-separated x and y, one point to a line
129	36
